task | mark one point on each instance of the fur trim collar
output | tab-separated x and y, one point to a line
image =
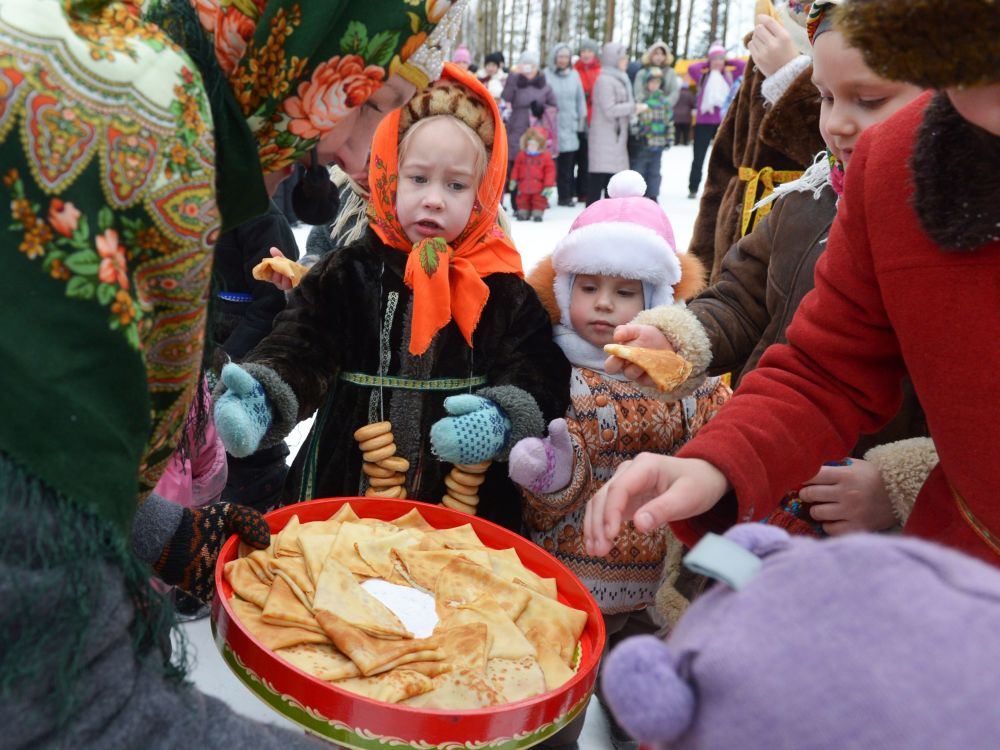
956	179
538	81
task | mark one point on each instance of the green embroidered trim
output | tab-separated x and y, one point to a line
411	384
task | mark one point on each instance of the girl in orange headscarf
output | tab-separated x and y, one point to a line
426	322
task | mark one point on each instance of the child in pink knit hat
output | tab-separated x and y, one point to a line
619	258
462	57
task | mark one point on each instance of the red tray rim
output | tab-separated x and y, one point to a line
276	519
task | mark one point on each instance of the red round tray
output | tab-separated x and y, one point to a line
366	724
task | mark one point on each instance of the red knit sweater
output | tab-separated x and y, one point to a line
887	301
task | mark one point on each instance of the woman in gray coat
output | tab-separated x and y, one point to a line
612	107
571	118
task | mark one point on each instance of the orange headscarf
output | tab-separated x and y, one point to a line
447	280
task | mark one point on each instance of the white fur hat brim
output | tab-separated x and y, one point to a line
613	248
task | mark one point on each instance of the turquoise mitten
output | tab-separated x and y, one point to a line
242	413
476	431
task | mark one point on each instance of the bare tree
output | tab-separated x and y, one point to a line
609	21
562	23
713	20
675	31
633	37
687	31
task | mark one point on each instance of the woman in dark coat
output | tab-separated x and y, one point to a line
529	94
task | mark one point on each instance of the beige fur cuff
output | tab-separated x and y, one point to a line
904	466
687	335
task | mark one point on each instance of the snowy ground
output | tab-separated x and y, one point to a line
534	240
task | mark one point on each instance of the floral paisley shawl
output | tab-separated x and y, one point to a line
108	177
297	68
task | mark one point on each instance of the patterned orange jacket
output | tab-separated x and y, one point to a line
611	421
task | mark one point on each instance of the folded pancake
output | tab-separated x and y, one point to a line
553	668
345	514
390	687
338	593
516	679
554	623
460	689
460	537
322	661
375	552
420	568
295	572
344	550
287	542
283	607
260	562
381	527
667	370
508	641
273	637
315	549
245	582
462	582
376	655
286	267
412	520
507	564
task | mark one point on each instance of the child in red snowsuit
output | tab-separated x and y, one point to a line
534	175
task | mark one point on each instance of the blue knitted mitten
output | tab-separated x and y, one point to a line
477	430
243	413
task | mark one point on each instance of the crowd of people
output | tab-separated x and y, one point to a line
600	112
841	283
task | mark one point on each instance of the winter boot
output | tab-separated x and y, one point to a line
536	215
522	214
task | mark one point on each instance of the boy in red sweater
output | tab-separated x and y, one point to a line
533	175
909	284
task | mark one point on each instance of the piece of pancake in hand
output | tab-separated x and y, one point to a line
665	368
281	266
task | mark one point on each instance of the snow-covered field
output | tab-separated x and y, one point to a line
535	241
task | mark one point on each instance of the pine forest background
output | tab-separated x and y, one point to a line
688	26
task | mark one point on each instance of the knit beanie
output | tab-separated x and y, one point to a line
461	55
931	43
587	43
624	235
861	641
495	58
528	58
448	97
716	50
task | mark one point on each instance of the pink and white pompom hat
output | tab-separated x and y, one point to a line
624	235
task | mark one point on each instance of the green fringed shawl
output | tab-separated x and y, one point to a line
51	555
107	212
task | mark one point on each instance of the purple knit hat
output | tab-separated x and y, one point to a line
863	641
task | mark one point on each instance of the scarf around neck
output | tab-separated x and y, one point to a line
446	279
582	353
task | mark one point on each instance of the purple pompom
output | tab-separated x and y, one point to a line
759	538
647	696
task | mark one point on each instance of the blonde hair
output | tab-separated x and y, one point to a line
482	156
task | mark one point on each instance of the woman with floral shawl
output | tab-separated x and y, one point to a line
110	158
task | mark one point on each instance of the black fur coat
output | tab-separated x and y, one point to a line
353	309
